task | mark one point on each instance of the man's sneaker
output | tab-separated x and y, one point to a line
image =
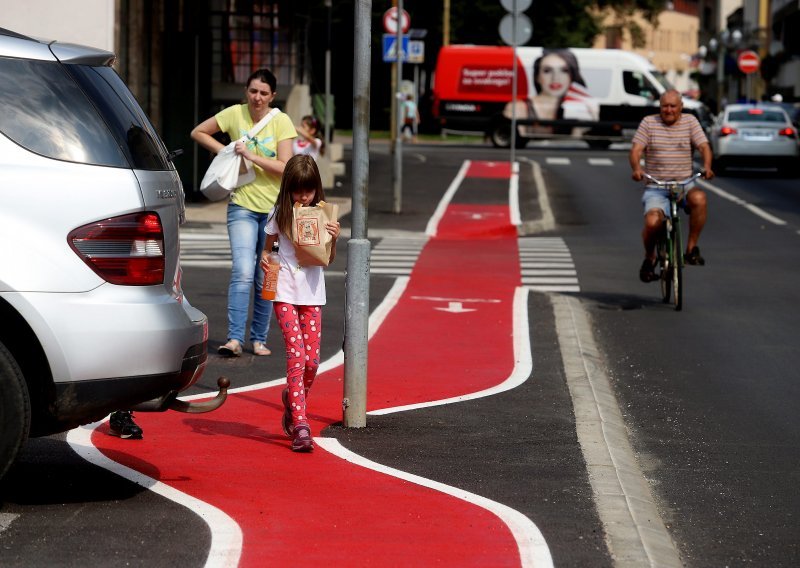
647	271
121	424
693	257
286	419
302	441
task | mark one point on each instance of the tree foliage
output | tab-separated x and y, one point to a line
572	23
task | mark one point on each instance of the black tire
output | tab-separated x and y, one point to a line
665	275
500	135
677	277
599	144
15	410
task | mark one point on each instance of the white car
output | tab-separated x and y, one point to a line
757	135
92	316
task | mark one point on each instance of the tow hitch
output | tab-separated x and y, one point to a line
205	406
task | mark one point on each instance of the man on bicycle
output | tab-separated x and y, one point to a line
667	141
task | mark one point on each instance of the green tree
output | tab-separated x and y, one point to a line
555	24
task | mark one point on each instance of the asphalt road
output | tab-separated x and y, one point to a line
709	395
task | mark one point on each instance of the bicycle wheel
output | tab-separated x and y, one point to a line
665	275
677	268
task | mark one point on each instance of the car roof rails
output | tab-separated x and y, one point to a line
9	33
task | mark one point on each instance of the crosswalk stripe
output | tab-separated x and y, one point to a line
546	265
557	161
601	162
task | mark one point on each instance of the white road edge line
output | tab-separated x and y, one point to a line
433	222
533	549
635	533
739	201
226	536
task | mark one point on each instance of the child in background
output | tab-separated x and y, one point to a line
300	296
308	141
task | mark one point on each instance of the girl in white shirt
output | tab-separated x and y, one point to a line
308	141
300	295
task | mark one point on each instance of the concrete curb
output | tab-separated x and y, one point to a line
635	533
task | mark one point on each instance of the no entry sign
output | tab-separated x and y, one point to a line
748	62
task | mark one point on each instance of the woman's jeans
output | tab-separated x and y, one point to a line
246	234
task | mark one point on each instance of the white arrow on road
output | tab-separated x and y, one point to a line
455	308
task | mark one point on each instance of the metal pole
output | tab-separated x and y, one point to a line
514	83
354	401
446	23
328	105
397	171
720	74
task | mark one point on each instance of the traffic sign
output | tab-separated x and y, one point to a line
516	29
390	48
748	62
517	6
390	21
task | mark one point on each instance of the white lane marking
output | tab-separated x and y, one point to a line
440	299
533	550
523	363
546	265
226	535
600	162
557	161
739	201
513	195
433	222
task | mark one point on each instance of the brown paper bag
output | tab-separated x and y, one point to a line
312	243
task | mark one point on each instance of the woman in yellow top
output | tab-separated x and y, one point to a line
250	205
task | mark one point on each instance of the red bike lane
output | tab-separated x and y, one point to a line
449	335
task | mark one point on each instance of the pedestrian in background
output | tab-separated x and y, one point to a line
250	204
410	118
308	141
299	297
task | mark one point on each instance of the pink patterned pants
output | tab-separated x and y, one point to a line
302	331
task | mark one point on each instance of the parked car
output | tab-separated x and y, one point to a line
92	315
749	134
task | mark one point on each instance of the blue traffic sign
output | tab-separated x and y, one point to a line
390	48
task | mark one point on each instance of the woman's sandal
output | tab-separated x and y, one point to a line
260	349
231	349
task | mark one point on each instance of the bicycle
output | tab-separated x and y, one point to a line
669	247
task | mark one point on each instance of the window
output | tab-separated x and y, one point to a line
46	112
636	83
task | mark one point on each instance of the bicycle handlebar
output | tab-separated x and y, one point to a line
685	182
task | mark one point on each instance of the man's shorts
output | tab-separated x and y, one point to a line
657	198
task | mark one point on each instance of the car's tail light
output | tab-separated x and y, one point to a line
127	250
725	130
788	131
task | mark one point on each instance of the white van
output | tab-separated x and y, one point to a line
598	95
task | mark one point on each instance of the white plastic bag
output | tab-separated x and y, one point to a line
227	171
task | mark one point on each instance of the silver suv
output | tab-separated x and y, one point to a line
92	316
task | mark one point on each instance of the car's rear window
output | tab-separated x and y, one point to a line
756	115
76	113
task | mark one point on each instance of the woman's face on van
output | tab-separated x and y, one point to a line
554	76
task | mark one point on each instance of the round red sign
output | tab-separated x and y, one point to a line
748	62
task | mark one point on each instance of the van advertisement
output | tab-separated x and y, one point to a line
563	92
